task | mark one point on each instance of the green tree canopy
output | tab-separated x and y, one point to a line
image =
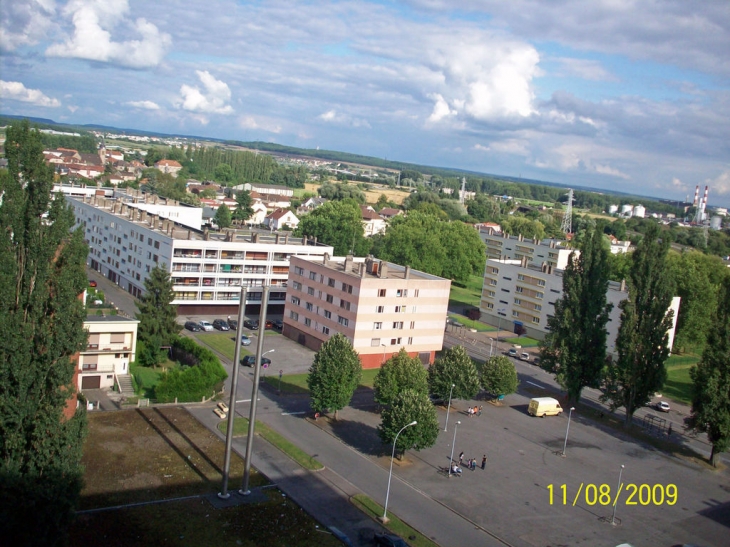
244	209
711	380
223	216
157	317
577	355
454	367
643	334
336	223
398	373
42	274
334	375
408	406
499	376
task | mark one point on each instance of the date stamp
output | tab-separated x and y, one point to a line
602	494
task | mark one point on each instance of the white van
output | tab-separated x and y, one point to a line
544	406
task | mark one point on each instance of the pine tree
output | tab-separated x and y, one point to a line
575	345
398	373
711	381
642	341
42	274
157	317
334	375
454	367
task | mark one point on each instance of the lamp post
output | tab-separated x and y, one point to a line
618	489
565	444
458	423
383	360
449	407
387	492
499	322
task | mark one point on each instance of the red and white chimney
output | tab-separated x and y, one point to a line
697	195
704	199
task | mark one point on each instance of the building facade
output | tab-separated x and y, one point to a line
502	246
208	269
379	306
111	347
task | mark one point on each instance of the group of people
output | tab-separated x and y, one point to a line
470	464
474	411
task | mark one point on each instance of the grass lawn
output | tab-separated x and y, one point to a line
136	456
297	383
395	525
147	378
523	341
225	343
470	324
679	385
467	296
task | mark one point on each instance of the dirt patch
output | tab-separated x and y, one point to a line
372	196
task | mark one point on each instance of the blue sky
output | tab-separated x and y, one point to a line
627	95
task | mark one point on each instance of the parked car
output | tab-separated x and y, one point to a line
92	283
205	325
536	361
524	356
269	325
512	352
233	324
221	324
245	340
662	406
193	326
389	540
249	360
279	325
251	324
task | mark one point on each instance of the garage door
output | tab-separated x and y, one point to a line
91	382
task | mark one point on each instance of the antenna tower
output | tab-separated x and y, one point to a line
567	225
463	190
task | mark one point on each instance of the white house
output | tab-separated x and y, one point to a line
280	218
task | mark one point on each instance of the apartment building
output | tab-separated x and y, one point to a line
520	297
127	238
111	347
379	306
502	246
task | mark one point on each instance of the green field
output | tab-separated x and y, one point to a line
469	295
523	341
469	324
225	343
679	385
297	383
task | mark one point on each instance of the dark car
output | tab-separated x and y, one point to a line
233	324
249	360
193	326
220	324
389	540
279	325
251	324
269	325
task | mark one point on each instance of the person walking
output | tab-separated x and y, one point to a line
461	458
484	461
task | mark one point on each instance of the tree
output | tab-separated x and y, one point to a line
336	223
499	376
334	375
243	210
42	274
577	355
223	216
157	317
454	367
400	372
711	381
410	405
643	334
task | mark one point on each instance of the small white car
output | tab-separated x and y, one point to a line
662	406
205	325
524	356
512	352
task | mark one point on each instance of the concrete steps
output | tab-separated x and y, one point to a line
125	383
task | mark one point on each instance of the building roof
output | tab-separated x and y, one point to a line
109	319
369	268
169	163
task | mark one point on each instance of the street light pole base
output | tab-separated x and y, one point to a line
245	492
223	496
384	520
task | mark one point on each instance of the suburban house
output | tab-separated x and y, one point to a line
388	212
111	347
168	166
372	222
281	218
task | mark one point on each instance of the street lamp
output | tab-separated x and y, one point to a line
499	321
383	360
458	423
618	489
565	444
449	407
387	493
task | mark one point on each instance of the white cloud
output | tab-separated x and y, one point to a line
720	185
586	69
507	146
25	22
212	100
441	109
249	122
93	21
18	92
608	170
339	118
145	105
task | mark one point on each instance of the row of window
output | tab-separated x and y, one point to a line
375	342
345	287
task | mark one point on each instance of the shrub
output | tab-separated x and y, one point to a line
195	381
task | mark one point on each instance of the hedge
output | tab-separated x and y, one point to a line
190	383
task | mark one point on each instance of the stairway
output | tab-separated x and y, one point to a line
125	383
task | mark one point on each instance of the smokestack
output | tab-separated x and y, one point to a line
704	199
697	195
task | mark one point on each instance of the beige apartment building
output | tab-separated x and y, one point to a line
379	306
502	246
111	347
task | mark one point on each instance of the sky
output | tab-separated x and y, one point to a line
626	95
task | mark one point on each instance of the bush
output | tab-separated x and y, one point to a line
193	382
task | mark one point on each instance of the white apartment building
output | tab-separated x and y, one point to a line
503	246
111	347
520	298
379	306
208	269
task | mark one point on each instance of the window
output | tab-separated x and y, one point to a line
89	366
397	324
375	342
490	306
329	298
413	325
536	320
410	340
347	288
343	321
401	309
381	292
325	330
309	306
295	300
312	275
297	286
401	292
380	309
395	341
330	282
310	291
345	304
298	270
157	244
377	326
492	281
294	315
328	314
117	338
307	322
415	293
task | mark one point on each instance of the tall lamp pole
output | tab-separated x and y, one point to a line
458	423
449	407
387	493
383	360
618	489
565	444
499	322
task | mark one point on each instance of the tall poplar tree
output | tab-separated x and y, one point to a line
711	380
642	341
574	348
157	317
42	275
